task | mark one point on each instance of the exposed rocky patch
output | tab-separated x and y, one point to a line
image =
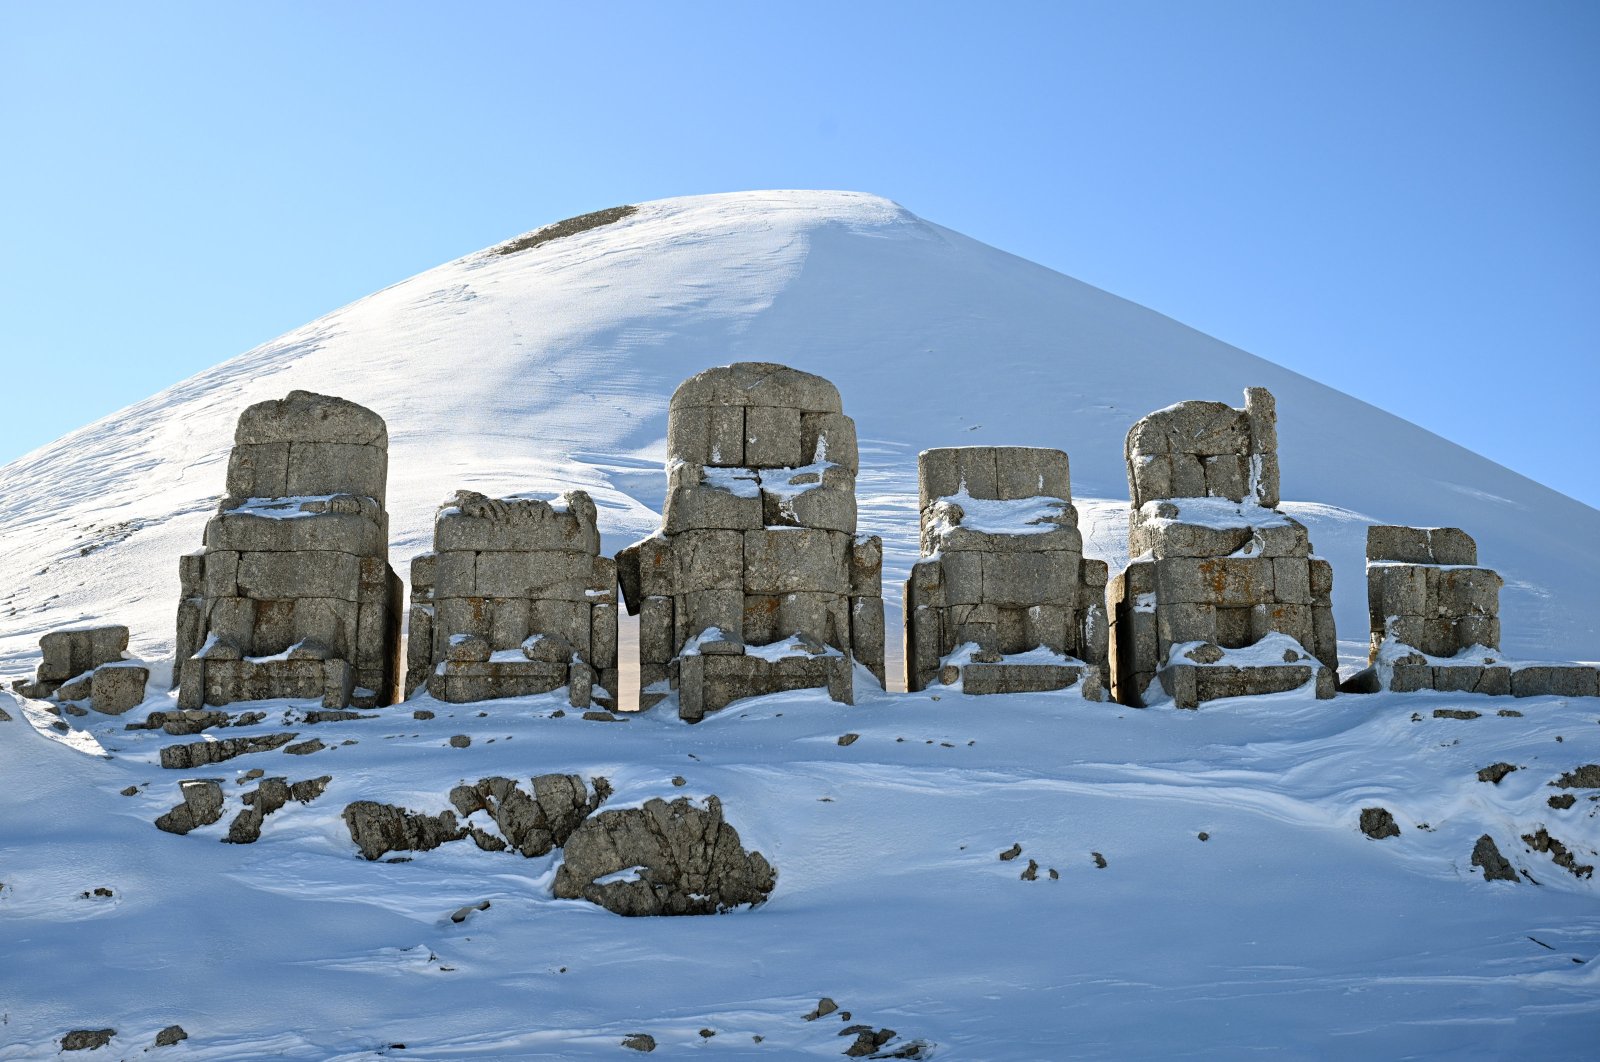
532	825
202	805
1562	802
268	797
1011	853
1585	777
87	1039
1455	713
305	748
201	753
1495	867
824	1007
461	914
170	1035
378	829
1377	823
640	1042
663	859
1541	841
1495	772
569	227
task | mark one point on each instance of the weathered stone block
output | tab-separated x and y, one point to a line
1030	472
867	636
321	468
829	506
603	636
709	560
754	383
708	507
656	641
1188	476
798	559
772	437
303	416
699	611
866	566
952	470
331	531
1291	580
455	574
828	437
1555	680
1405	545
1184	621
1219	581
259	471
983	679
1227	476
707	435
1030	578
710	683
533	574
277	576
1320	575
658	569
1451	545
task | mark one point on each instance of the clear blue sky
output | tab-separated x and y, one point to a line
1398	199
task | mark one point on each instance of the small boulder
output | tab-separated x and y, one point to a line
170	1035
459	741
640	1042
1494	772
535	824
1377	823
1011	853
87	1039
202	805
663	859
378	829
1495	867
824	1007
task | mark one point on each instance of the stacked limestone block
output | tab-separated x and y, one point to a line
1222	596
293	595
514	600
1003	600
757	581
88	664
1435	622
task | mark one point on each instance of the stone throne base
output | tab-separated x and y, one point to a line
711	682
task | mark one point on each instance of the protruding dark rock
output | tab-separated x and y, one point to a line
202	805
691	861
533	825
170	1035
1495	867
1495	772
381	828
87	1039
1377	823
640	1042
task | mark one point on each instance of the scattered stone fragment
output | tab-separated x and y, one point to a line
1032	871
202	805
1378	823
640	1042
1509	713
251	775
824	1007
848	739
1585	777
459	741
87	1039
707	1034
422	713
1495	867
305	748
1455	713
536	824
335	715
1055	875
1541	841
201	753
378	829
868	1040
99	892
463	913
1562	802
1099	860
1494	772
688	859
679	780
1203	835
132	790
1011	853
5	716
268	797
170	1035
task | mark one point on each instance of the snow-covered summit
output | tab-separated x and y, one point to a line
550	368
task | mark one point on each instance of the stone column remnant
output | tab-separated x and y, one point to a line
293	595
1222	595
88	664
1003	599
514	600
1434	617
757	581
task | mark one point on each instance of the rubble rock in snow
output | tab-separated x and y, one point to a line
824	1007
1032	871
87	1039
378	829
463	913
266	798
640	1042
1495	867
1455	713
1541	841
305	748
202	805
533	825
663	859
1585	777
172	1034
868	1040
1495	772
1377	823
1562	802
1011	853
200	753
460	741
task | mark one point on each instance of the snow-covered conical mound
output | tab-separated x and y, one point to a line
550	367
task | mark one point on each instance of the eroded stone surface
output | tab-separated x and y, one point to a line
663	858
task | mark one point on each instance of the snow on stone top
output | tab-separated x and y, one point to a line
1020	516
1210	512
551	369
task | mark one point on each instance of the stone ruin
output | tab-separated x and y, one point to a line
757	581
293	595
1003	600
515	599
87	664
1435	622
1221	596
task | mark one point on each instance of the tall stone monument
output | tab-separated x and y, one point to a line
757	581
293	595
1003	600
1221	596
514	600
